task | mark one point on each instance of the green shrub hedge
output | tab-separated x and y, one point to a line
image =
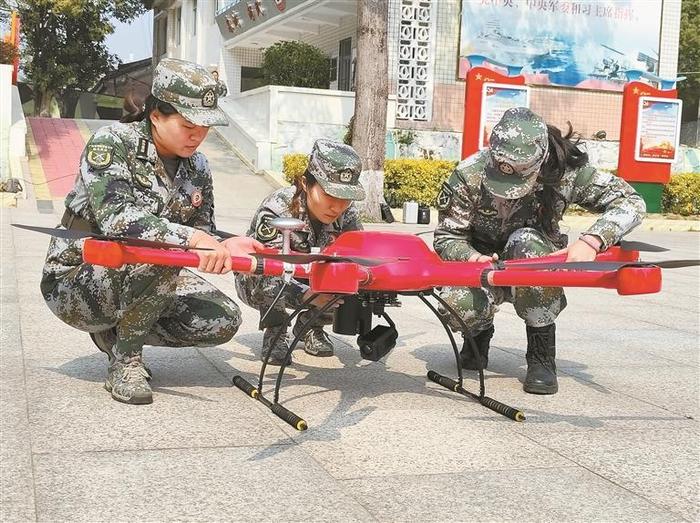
420	180
414	180
682	194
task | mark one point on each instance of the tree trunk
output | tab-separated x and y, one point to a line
371	92
42	102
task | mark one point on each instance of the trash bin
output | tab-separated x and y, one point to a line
423	214
387	216
410	212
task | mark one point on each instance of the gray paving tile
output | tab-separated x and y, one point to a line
16	480
377	443
674	388
194	406
660	465
223	484
555	494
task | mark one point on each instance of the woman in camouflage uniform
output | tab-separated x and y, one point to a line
322	198
506	202
145	179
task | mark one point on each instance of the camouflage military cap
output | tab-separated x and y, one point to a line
337	168
518	147
190	89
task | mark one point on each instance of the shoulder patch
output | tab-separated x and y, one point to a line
265	232
444	197
99	156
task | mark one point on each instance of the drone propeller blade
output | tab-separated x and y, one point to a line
604	266
676	264
571	266
225	235
68	234
310	258
73	234
634	245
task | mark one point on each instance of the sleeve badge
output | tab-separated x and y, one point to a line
444	198
265	232
99	156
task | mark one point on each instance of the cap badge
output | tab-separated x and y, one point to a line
346	177
209	98
505	168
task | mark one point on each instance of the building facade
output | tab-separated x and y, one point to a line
426	101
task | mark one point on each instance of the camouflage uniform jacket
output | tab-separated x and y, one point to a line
315	234
471	219
123	189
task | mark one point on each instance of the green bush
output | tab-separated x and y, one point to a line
414	180
682	195
404	180
296	64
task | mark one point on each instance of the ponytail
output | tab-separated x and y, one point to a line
137	114
295	204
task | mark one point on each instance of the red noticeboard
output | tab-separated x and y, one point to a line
629	168
476	77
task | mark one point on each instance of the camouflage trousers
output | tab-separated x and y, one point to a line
148	305
538	306
260	291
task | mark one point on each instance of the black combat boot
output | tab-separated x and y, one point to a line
482	340
541	377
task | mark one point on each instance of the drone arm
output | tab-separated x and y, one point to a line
115	255
627	280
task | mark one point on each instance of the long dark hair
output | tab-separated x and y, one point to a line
295	204
151	104
563	154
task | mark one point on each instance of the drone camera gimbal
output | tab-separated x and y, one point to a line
354	317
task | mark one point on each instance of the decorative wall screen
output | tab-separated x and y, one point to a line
414	90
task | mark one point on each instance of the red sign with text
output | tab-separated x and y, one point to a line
473	101
637	165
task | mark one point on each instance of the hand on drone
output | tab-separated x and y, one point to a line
478	257
242	246
581	250
215	261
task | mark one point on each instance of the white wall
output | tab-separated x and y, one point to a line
205	47
5	118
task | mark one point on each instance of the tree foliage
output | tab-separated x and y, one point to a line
63	42
296	64
689	56
8	53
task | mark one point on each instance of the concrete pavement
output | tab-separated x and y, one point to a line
619	442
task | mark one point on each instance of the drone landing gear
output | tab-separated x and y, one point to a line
457	386
257	393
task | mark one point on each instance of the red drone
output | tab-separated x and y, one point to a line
368	270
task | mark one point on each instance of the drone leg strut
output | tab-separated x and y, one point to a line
457	386
256	393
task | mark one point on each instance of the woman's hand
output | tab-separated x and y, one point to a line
242	246
581	250
321	299
216	261
482	258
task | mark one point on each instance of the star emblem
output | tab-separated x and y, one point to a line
209	98
505	168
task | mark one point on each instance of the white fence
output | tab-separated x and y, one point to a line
271	121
